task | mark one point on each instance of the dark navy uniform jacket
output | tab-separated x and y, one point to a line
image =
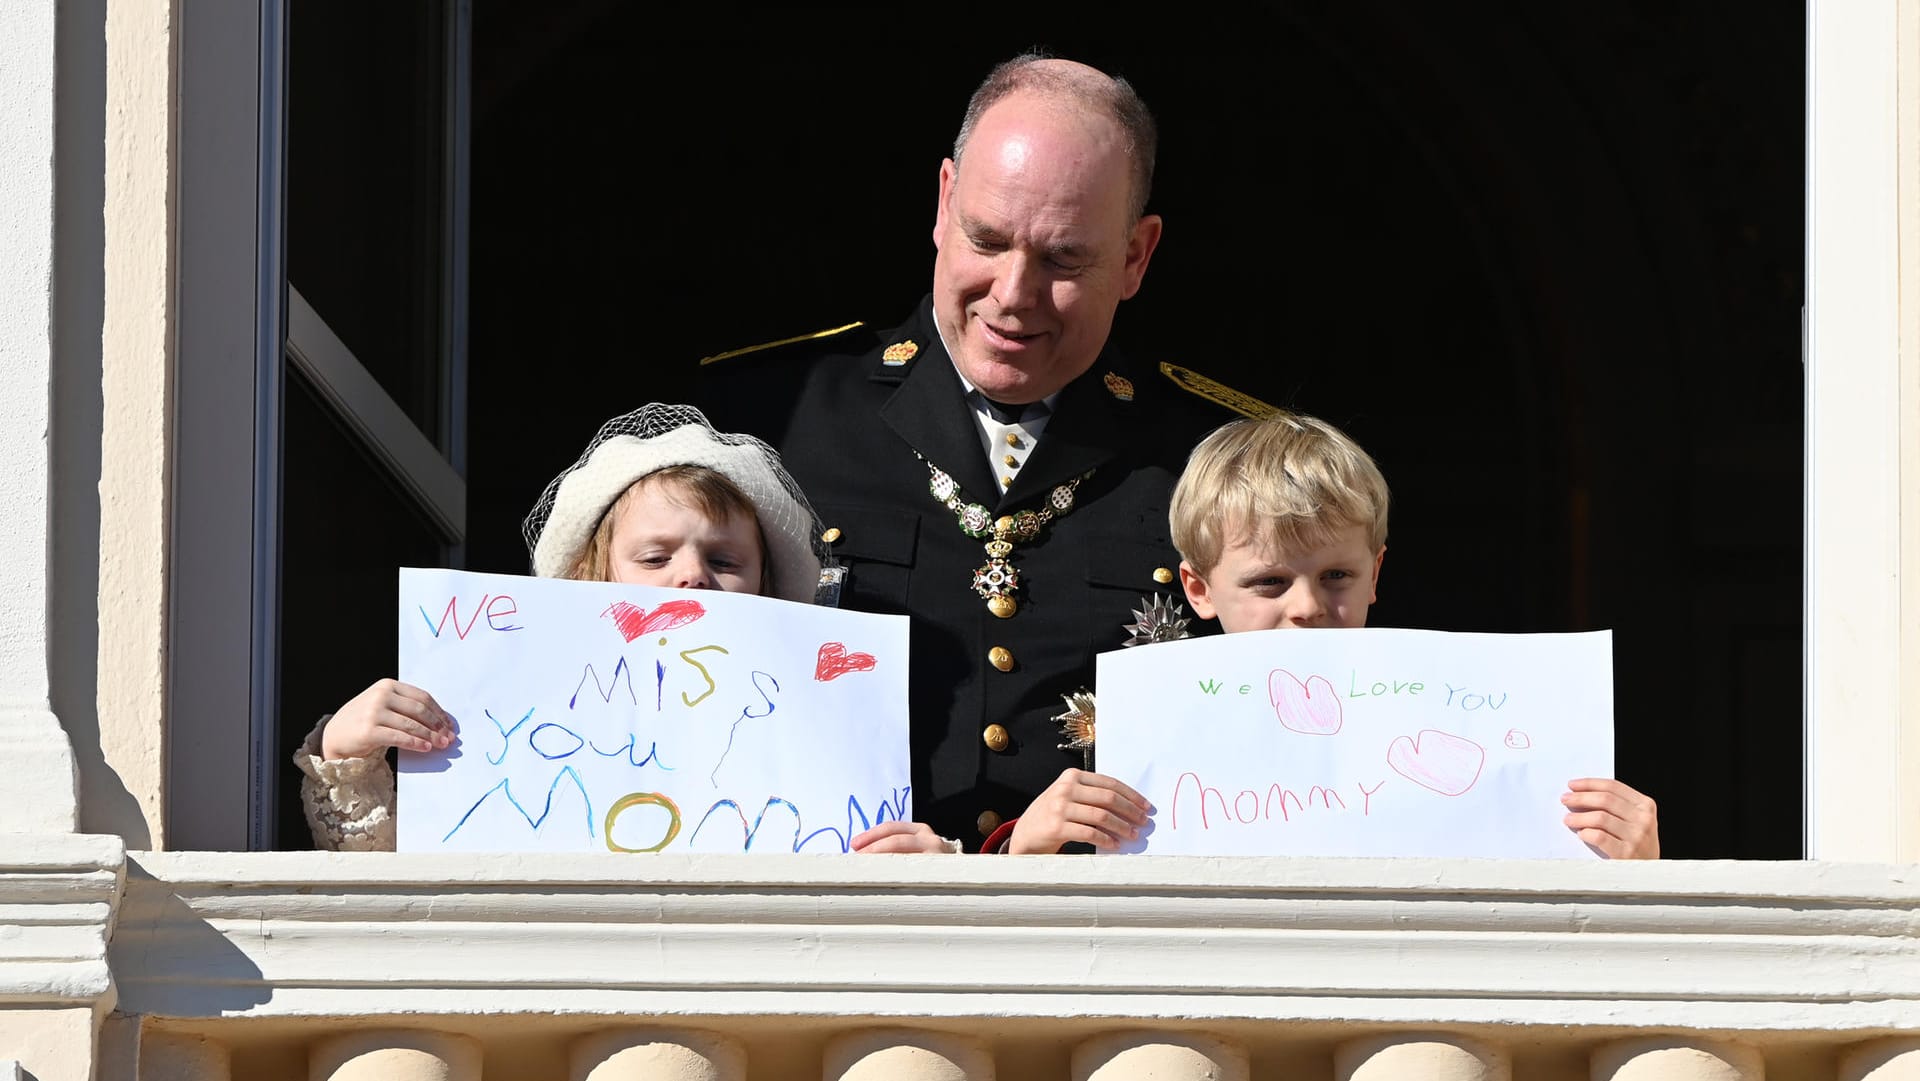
847	422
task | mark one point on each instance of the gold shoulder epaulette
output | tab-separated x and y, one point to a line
1218	393
731	353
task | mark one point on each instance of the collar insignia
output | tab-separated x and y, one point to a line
899	353
1120	387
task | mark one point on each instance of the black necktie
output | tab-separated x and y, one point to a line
1011	414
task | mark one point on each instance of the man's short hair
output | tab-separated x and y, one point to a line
1110	94
1288	481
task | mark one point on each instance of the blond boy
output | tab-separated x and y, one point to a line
1282	522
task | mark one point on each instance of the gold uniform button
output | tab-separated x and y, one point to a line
1002	658
1013	439
831	535
988	822
996	737
1162	575
1012	462
1006	482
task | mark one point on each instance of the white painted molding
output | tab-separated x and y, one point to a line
39	757
1730	947
1853	395
43	780
58	897
1906	810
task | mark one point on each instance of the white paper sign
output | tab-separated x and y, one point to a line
597	717
1362	742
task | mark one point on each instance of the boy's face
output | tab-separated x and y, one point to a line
661	540
1253	588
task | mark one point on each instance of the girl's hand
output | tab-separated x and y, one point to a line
899	836
388	714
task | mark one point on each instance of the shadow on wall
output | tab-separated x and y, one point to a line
106	806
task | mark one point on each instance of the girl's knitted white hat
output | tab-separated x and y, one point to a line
651	438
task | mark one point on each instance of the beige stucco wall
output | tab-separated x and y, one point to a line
56	1045
136	357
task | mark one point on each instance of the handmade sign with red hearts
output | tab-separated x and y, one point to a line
835	661
1312	707
635	621
1440	761
698	729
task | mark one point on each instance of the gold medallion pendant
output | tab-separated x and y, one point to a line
997	580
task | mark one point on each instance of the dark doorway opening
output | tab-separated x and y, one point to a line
1547	268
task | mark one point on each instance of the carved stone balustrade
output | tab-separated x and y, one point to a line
752	968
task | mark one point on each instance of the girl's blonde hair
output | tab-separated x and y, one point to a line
705	490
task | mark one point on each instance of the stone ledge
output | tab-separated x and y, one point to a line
1708	946
59	894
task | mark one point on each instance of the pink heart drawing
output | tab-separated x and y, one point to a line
635	621
1312	708
1436	760
835	661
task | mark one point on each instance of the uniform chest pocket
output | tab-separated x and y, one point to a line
1128	563
876	548
1122	572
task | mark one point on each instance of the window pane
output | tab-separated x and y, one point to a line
364	185
346	532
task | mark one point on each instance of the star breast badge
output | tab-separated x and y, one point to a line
1158	620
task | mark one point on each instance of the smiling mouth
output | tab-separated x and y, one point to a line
1008	336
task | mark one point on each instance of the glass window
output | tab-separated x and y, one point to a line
372	414
366	176
346	528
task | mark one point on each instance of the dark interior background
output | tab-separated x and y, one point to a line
1545	265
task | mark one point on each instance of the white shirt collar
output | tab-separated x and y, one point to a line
1007	446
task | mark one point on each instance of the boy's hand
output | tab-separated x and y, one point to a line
388	714
899	836
1080	806
1614	818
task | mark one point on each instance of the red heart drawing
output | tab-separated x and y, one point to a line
1440	761
635	621
1311	707
835	662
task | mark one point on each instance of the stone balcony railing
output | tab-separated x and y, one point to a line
756	968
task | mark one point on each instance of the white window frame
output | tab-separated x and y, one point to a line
1852	598
220	657
223	609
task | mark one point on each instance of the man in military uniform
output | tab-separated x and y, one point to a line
990	468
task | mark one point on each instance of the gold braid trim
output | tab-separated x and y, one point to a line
1218	393
731	353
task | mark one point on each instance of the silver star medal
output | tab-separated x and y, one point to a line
1159	620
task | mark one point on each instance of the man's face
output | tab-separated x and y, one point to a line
1037	247
1254	588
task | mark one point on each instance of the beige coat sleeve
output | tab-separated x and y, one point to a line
349	801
